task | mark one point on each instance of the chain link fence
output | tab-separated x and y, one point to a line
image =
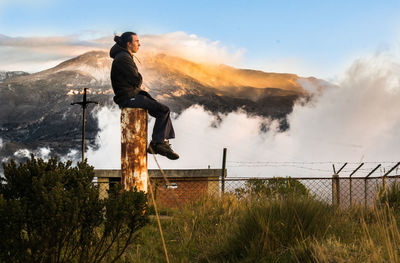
342	191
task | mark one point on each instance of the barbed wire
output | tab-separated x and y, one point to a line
293	166
316	167
305	162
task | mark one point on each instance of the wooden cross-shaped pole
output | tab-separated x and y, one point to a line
84	104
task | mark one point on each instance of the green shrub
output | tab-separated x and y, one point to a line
266	230
52	212
276	187
390	196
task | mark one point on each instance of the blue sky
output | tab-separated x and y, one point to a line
320	36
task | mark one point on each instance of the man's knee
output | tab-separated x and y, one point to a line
164	109
160	111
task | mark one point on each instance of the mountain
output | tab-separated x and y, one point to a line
6	75
36	108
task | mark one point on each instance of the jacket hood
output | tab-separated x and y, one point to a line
117	49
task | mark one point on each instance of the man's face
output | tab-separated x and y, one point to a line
134	45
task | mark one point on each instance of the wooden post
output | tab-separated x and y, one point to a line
84	104
134	149
83	127
336	185
335	190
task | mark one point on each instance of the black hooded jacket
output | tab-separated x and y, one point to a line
125	77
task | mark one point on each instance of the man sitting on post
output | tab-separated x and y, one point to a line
126	82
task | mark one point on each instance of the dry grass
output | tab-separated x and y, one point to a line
280	230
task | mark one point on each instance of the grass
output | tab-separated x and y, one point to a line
271	230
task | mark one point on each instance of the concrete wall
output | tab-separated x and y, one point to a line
155	173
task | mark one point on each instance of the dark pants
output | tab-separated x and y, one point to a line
163	127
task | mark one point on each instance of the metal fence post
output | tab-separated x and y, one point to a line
365	192
386	174
366	184
223	175
351	185
134	171
383	183
351	191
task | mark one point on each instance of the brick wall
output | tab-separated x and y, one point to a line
180	191
185	185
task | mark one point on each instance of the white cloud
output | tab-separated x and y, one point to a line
109	154
191	47
33	54
42	152
73	155
357	119
22	153
287	65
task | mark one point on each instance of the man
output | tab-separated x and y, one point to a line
126	82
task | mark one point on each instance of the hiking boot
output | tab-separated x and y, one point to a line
162	148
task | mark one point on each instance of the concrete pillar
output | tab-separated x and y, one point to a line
134	149
104	186
335	190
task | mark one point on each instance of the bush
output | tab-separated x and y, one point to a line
266	231
52	212
272	188
390	196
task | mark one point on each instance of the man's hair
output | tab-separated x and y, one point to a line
124	38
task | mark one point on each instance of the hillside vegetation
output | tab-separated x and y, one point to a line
284	228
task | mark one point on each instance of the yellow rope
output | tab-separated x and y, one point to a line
154	202
158	220
164	176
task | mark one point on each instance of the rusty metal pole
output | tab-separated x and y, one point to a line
134	171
